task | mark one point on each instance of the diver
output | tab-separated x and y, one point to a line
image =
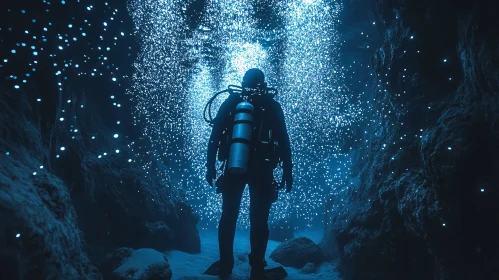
249	133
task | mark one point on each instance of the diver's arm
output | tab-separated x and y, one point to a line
283	139
216	133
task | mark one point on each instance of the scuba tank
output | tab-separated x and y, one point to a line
241	138
236	160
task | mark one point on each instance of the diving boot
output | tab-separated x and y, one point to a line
224	272
257	269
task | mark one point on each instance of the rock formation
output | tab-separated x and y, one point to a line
297	253
420	204
141	264
39	236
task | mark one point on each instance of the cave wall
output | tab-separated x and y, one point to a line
65	204
39	236
119	204
421	203
111	201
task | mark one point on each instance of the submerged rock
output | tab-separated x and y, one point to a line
297	253
141	264
309	268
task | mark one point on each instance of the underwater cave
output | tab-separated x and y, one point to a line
382	162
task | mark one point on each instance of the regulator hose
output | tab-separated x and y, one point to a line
233	89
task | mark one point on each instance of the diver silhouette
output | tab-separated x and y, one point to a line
249	133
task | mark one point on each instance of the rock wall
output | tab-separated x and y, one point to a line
57	183
119	204
421	201
39	237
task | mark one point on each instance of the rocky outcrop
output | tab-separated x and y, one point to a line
119	203
39	237
55	183
297	253
422	196
309	268
141	264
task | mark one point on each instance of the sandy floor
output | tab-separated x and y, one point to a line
191	267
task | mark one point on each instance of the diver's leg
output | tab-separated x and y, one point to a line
260	203
231	200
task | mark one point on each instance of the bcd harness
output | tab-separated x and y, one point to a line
236	144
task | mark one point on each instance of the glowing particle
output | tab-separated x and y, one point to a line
34	173
7	153
63	148
16	86
61	119
112	96
18	235
443	224
445	60
13	51
129	160
93	137
117	151
57	156
116	136
35	53
99	156
482	190
41	166
70	25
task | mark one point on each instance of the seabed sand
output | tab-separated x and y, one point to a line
191	267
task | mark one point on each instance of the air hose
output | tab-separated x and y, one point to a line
233	89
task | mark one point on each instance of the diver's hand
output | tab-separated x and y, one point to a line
211	175
287	178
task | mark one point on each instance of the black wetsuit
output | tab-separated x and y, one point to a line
268	115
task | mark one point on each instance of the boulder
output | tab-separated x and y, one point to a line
297	253
309	268
141	264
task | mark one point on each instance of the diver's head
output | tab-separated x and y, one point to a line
254	78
